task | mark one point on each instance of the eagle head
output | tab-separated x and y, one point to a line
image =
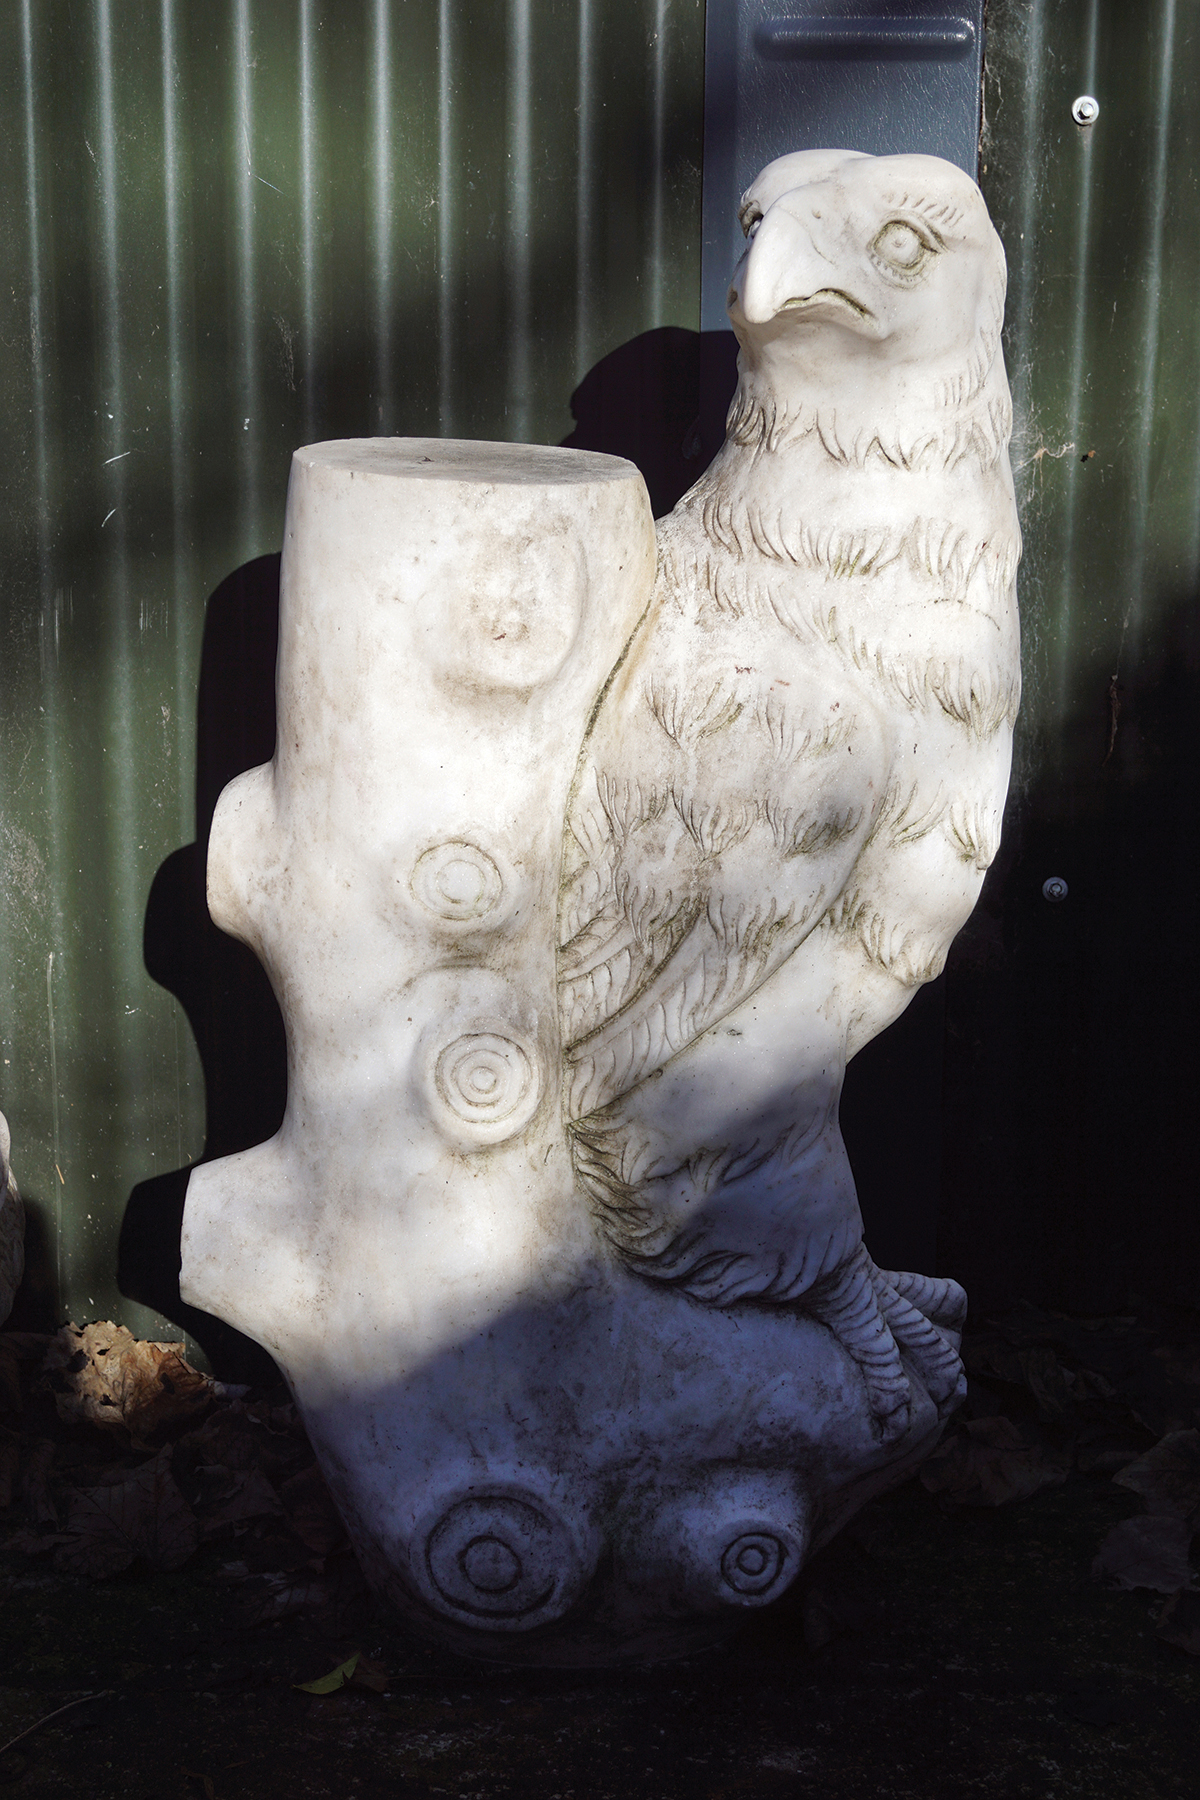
867	270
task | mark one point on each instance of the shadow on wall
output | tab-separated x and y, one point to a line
220	984
660	400
1070	1172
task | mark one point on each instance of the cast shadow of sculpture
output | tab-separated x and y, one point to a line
35	1303
660	400
1070	1153
220	984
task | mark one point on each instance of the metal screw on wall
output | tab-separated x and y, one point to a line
1085	110
1054	888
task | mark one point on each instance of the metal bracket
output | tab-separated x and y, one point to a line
785	75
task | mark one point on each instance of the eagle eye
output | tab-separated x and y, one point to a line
750	218
901	249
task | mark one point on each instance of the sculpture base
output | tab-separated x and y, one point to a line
610	1628
597	1471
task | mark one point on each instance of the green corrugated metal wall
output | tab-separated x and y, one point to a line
231	226
1102	231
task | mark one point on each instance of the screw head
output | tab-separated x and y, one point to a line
1054	888
1085	110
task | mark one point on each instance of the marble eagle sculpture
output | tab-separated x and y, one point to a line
793	782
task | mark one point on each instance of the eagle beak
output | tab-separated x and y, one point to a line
784	271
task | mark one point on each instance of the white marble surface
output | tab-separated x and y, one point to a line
12	1227
578	884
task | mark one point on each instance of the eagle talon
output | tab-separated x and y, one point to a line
846	1302
877	1325
941	1300
931	1352
894	1425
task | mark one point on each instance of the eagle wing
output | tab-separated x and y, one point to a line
720	808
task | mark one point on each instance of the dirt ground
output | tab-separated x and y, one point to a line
954	1641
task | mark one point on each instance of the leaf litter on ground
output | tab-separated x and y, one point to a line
115	1453
1150	1551
102	1375
358	1670
1168	1477
1118	1396
118	1454
329	1684
143	1518
1179	1621
991	1462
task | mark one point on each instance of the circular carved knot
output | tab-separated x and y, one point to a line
754	1562
490	1566
503	1559
457	881
487	1080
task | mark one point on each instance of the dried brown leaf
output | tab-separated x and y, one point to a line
1046	1381
10	1463
229	1574
241	1496
334	1598
1184	1365
1168	1477
990	1464
35	1483
988	1355
236	1436
1103	1449
94	1475
34	1543
228	1439
1179	1621
1147	1552
371	1675
283	1596
145	1518
311	1512
102	1375
1091	1386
